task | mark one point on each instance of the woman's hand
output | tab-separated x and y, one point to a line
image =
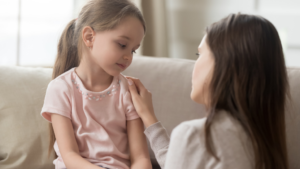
142	101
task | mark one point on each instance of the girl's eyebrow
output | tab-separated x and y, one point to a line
125	37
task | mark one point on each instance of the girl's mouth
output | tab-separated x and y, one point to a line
122	66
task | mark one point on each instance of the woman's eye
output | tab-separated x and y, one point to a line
198	54
133	51
122	46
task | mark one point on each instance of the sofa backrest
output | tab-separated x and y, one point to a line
24	135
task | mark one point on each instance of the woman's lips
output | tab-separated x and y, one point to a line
122	66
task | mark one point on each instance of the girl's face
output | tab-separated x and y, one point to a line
202	74
112	50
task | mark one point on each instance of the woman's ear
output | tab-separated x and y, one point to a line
88	36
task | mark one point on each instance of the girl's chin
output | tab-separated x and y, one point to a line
114	72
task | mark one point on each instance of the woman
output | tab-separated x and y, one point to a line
241	79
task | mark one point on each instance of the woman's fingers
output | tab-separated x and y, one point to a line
139	85
132	88
142	100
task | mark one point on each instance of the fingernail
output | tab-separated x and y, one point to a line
130	82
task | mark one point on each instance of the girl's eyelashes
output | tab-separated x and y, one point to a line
198	54
124	46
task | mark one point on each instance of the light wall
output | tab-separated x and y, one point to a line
30	29
187	20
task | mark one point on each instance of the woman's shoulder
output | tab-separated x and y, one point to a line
188	129
224	126
229	139
196	124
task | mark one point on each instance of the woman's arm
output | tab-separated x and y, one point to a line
139	154
187	149
159	142
67	144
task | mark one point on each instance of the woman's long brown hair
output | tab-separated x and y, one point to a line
250	82
100	15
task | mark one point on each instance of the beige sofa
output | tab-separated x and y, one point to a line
24	134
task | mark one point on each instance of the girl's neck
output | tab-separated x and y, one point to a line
93	77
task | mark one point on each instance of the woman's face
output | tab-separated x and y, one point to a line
202	74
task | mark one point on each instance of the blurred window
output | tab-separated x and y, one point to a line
30	30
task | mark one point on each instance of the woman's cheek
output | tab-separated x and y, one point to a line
197	83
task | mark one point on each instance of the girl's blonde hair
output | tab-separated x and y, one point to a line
100	15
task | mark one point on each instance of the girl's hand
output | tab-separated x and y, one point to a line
142	101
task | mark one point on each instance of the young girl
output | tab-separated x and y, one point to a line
88	102
240	76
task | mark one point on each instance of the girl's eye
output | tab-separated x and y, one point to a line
124	46
198	54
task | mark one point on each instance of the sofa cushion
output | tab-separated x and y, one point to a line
24	134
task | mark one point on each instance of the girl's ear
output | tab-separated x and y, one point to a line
88	36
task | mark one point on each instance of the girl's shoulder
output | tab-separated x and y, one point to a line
123	83
66	76
62	82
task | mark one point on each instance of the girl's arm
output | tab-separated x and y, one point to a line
142	101
155	132
67	144
139	154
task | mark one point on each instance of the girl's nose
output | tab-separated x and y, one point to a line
127	57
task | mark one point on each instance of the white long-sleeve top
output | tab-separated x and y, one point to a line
187	149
